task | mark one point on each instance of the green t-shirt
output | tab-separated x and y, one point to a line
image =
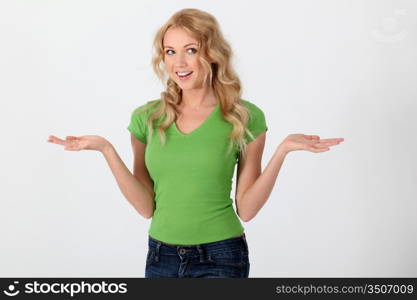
192	175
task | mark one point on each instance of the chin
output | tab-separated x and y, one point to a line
186	88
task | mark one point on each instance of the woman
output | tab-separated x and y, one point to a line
182	176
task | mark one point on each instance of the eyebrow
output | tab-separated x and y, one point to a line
184	45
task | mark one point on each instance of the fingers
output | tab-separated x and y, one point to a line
70	142
324	144
316	150
51	138
70	137
71	148
328	142
320	147
54	139
336	140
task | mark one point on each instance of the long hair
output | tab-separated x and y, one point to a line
220	75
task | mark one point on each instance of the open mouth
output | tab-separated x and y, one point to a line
184	75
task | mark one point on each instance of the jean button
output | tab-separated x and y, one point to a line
182	251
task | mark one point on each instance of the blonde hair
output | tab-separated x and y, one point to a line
220	76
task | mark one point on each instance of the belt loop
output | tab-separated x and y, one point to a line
158	245
244	241
201	253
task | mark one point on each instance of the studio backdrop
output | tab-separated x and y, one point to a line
331	68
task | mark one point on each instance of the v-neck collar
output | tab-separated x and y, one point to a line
201	125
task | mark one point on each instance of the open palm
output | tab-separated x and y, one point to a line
311	143
86	142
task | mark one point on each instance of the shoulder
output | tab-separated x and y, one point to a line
254	110
257	122
146	108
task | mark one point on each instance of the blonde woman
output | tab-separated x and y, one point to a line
186	145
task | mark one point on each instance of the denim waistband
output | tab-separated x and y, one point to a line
227	244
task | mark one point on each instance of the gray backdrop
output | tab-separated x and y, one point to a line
332	68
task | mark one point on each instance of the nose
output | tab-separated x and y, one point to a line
180	60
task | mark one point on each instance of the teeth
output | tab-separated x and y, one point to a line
184	73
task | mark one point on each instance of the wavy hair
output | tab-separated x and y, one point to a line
219	75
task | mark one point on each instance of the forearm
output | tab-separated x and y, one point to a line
256	195
133	190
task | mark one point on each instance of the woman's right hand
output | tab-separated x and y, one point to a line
86	142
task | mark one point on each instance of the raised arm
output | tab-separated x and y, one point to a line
253	185
135	188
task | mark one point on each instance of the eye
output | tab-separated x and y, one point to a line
194	50
190	51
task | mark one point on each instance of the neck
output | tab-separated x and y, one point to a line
198	98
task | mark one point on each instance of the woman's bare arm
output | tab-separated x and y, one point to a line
137	189
134	191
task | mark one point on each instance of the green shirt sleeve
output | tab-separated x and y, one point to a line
257	122
137	125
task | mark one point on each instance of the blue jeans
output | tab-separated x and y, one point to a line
227	259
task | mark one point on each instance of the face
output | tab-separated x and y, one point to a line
181	53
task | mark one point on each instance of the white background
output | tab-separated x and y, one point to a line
332	68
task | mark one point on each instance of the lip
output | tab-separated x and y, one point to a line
186	78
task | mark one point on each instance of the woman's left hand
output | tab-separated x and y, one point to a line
311	143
